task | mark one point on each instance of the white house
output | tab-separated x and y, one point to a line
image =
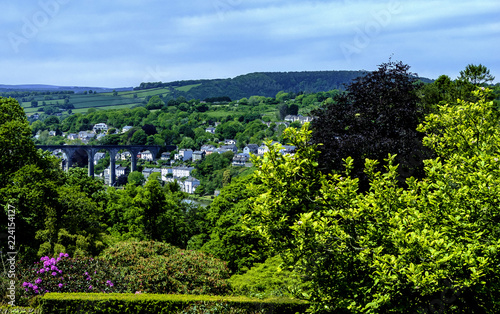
198	155
146	155
300	118
189	185
210	130
229	142
121	171
181	172
124	156
100	127
184	154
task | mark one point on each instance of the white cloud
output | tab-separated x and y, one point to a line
120	43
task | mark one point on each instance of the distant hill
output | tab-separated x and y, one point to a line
41	87
260	83
266	84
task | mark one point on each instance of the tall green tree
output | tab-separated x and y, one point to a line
476	74
432	246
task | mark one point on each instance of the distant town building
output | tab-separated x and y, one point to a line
165	156
251	149
166	172
301	119
146	155
72	136
184	154
146	172
189	185
210	130
240	160
225	148
198	155
100	128
181	172
126	128
98	156
124	156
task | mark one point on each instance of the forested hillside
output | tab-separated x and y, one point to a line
266	84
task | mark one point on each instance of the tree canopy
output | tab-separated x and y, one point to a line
432	246
377	115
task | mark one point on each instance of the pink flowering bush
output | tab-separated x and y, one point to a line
65	274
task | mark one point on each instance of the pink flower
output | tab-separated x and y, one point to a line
60	285
90	287
37	281
54	273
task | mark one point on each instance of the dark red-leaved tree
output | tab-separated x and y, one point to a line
377	115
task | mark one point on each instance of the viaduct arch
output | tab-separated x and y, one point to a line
91	150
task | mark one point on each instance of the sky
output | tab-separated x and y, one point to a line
123	43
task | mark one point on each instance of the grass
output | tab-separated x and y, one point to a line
187	88
82	102
84	110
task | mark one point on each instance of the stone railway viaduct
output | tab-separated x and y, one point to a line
91	150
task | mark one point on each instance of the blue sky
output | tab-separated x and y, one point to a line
123	43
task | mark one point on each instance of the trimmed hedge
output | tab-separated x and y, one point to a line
7	309
164	303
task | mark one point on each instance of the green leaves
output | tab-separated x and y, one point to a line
393	249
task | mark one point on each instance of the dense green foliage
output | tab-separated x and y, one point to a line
228	239
265	84
358	238
266	280
430	246
151	212
155	267
155	303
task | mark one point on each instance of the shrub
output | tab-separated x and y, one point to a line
266	280
155	267
65	274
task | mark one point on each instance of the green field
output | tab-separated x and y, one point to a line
82	102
